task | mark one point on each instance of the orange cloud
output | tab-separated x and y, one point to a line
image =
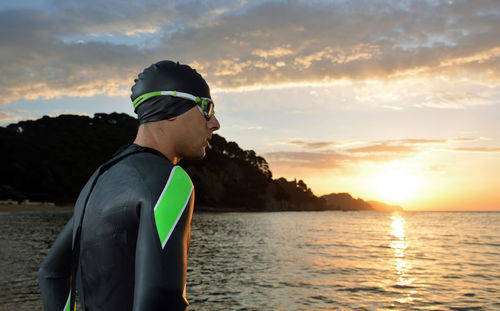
327	159
378	148
7	116
383	151
311	145
274	52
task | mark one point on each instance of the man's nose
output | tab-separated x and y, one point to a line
213	124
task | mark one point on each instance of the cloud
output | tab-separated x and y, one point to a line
440	99
383	148
318	160
327	159
469	139
417	141
406	145
379	151
273	53
401	146
36	64
392	107
7	116
98	48
248	127
311	145
477	149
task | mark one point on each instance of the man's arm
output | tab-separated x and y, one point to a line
54	276
162	247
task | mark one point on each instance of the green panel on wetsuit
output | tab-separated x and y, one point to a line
172	202
67	307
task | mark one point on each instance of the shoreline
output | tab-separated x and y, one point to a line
35	208
40	208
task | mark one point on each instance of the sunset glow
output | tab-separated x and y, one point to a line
395	185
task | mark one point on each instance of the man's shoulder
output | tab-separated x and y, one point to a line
158	173
148	163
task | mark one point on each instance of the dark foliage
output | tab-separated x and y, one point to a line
50	159
345	202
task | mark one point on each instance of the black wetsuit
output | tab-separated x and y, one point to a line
134	238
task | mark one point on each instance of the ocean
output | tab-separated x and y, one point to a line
303	260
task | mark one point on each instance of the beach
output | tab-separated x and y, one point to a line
34	208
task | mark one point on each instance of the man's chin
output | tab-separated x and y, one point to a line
195	156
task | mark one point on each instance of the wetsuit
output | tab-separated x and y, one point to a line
131	229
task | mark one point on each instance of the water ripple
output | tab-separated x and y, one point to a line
303	261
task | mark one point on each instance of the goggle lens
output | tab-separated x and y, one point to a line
207	107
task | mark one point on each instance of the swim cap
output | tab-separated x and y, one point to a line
167	76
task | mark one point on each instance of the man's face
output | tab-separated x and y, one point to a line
194	133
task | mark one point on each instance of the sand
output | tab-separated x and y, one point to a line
34	208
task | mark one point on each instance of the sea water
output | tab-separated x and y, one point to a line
303	260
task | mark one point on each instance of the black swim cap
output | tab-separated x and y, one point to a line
167	76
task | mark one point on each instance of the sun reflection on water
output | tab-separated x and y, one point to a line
399	244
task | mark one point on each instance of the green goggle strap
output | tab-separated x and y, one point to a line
204	101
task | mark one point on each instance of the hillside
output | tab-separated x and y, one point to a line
50	159
345	202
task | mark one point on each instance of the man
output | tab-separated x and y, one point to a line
125	248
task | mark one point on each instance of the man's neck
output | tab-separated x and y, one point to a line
155	139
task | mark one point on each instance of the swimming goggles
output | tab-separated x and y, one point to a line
205	104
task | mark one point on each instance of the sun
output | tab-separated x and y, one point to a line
395	185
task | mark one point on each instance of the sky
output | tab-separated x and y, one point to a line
395	101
